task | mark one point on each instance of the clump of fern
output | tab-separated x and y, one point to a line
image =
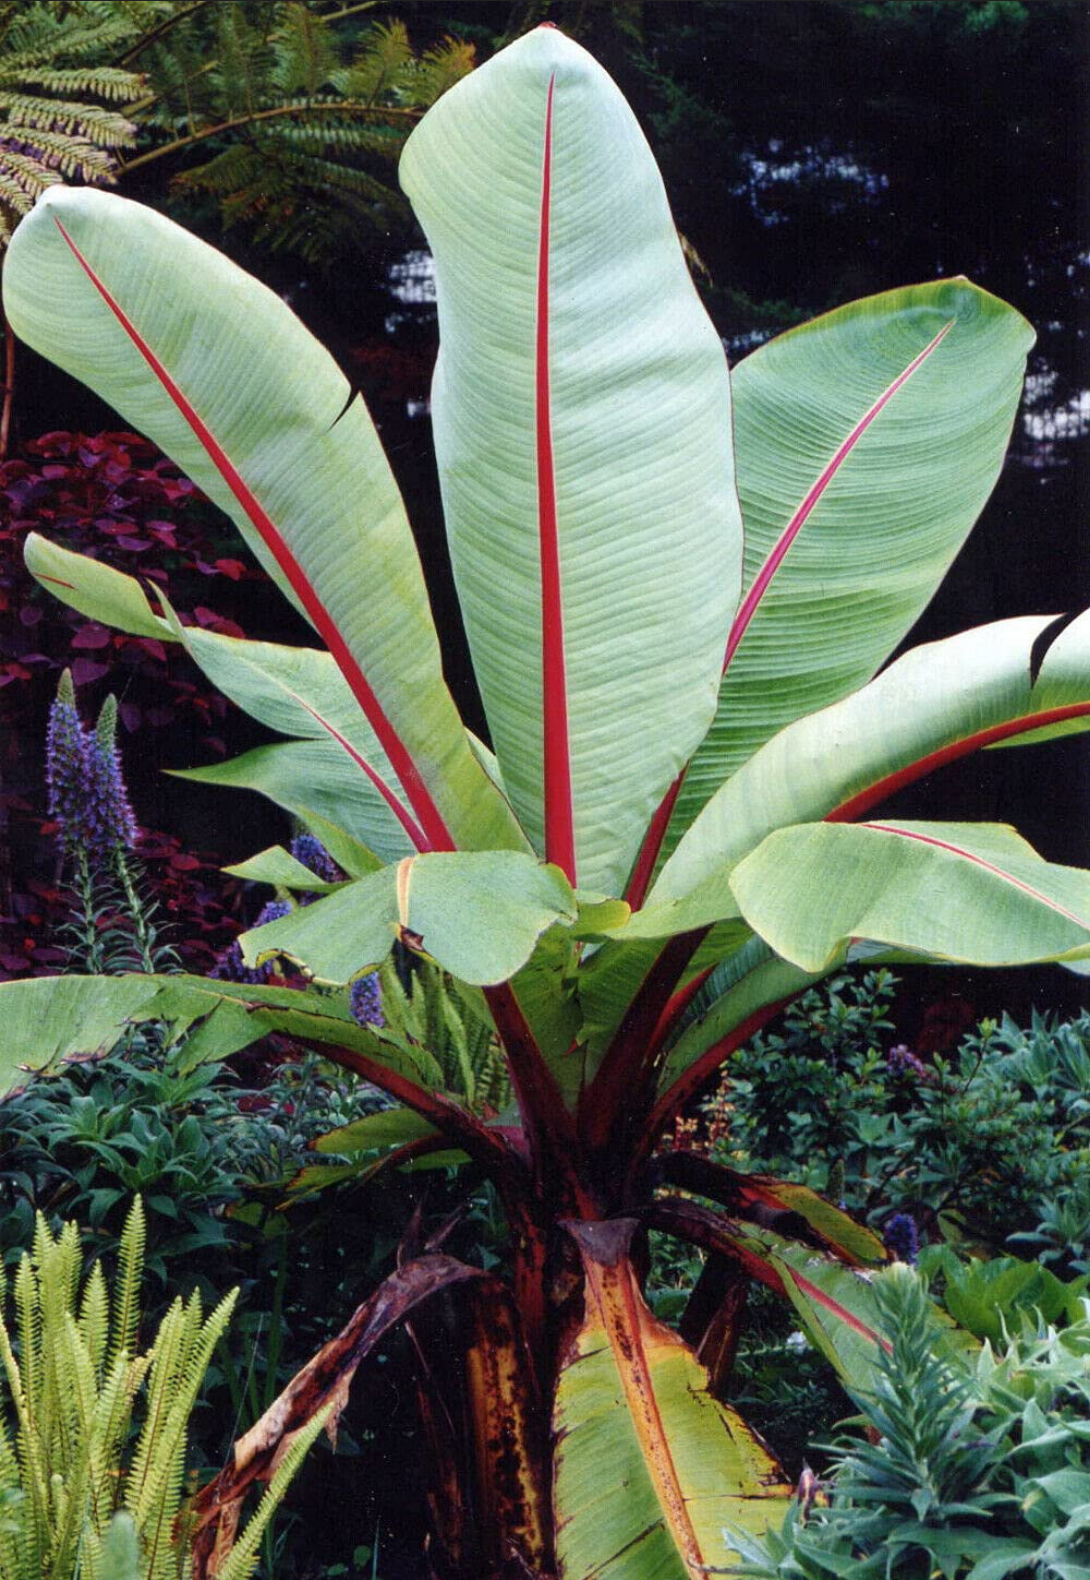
94	1429
62	101
303	116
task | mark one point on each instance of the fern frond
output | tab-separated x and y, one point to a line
90	121
440	68
242	1559
94	1318
130	1259
41	36
383	66
105	82
304	50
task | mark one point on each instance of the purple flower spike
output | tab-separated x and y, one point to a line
365	1001
229	965
109	794
229	968
87	794
309	850
66	767
902	1237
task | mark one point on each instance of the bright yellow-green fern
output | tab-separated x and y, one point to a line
93	1433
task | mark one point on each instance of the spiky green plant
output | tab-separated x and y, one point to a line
94	1431
433	1014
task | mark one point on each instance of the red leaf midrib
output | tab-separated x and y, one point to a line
556	745
431	823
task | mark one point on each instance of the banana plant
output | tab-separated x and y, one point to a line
680	587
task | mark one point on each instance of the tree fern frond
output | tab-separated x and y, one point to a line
105	82
91	121
383	65
41	36
304	50
440	68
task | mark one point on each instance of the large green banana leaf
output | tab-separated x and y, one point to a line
478	913
581	409
649	1466
936	703
866	481
50	1020
971	892
218	372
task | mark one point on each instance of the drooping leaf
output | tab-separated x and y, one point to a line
322	1385
633	1412
868	441
278	867
95	589
759	1197
835	1303
315	782
216	369
389	1127
598	577
937	703
975	892
48	1020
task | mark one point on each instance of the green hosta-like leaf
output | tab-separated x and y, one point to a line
975	892
649	1466
935	704
880	497
216	369
582	421
478	914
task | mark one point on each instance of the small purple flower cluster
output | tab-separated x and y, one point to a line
309	850
230	968
902	1237
902	1061
365	995
365	1001
87	796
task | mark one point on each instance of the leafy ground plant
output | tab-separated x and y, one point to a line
975	1468
657	849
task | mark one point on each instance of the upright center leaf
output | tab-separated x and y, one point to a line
581	406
